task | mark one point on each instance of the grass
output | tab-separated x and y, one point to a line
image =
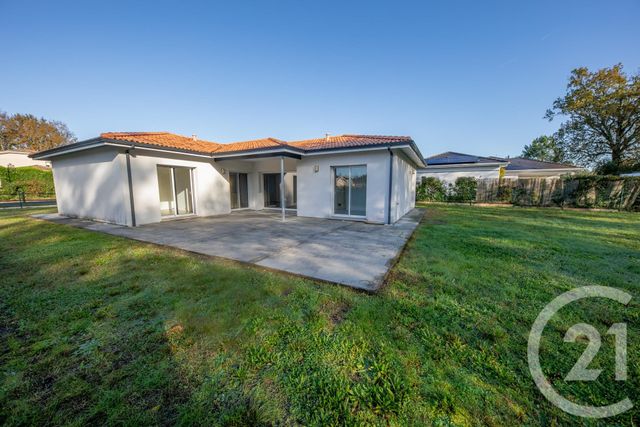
100	329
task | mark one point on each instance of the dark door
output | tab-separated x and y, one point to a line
239	190
271	190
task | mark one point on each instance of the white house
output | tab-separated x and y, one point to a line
520	167
19	158
450	166
144	177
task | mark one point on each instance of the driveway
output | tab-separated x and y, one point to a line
351	253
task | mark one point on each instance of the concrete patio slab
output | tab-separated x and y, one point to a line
350	253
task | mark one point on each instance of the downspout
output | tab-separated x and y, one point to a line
390	184
282	195
133	209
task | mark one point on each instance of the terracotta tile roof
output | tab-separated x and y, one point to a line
343	141
251	145
170	140
164	139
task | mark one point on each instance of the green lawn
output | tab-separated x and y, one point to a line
100	329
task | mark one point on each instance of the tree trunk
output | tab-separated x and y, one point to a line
616	156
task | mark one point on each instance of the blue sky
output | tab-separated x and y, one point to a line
469	76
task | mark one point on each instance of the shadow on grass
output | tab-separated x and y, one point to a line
98	329
102	329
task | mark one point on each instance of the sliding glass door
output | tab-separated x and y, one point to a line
271	187
239	190
176	191
350	190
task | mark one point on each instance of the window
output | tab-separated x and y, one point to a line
176	194
350	190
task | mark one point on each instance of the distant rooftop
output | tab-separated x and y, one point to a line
522	163
513	163
453	158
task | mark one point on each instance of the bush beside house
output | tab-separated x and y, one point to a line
432	189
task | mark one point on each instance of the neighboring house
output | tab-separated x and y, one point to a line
520	167
450	166
19	158
144	177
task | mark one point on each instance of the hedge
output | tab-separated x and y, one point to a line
585	191
35	182
433	190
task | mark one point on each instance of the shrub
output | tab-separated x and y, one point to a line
505	193
602	191
610	168
33	181
431	189
464	190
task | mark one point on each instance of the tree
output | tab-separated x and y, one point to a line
4	142
603	111
546	149
28	132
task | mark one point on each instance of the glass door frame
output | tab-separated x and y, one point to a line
238	195
333	193
290	204
174	191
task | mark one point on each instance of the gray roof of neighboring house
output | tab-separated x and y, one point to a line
521	163
16	151
453	158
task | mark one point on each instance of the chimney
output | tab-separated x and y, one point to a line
326	136
194	137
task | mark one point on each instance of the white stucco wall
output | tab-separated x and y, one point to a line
19	159
254	170
272	165
210	187
539	173
93	184
404	187
315	189
450	174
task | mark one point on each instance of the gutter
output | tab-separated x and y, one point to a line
560	171
464	165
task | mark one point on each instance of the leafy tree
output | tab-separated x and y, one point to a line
544	148
431	189
603	117
464	189
26	131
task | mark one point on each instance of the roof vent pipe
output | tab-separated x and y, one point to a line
326	136
194	137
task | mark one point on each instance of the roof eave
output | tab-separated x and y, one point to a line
558	170
466	165
419	160
257	151
101	142
261	152
70	148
